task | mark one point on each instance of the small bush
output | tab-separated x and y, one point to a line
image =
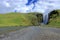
39	18
53	14
36	18
33	19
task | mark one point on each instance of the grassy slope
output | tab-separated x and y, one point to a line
21	19
15	19
55	22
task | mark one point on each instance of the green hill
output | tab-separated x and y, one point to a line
17	19
55	20
30	19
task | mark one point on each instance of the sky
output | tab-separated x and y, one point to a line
28	5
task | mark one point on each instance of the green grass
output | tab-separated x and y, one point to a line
55	22
16	19
24	19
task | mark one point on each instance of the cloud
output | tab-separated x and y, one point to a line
6	4
23	8
19	5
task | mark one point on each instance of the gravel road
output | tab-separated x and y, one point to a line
33	33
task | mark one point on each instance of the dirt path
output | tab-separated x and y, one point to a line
33	33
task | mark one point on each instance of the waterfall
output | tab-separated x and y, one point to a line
46	14
50	4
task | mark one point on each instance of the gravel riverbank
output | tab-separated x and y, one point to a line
33	33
